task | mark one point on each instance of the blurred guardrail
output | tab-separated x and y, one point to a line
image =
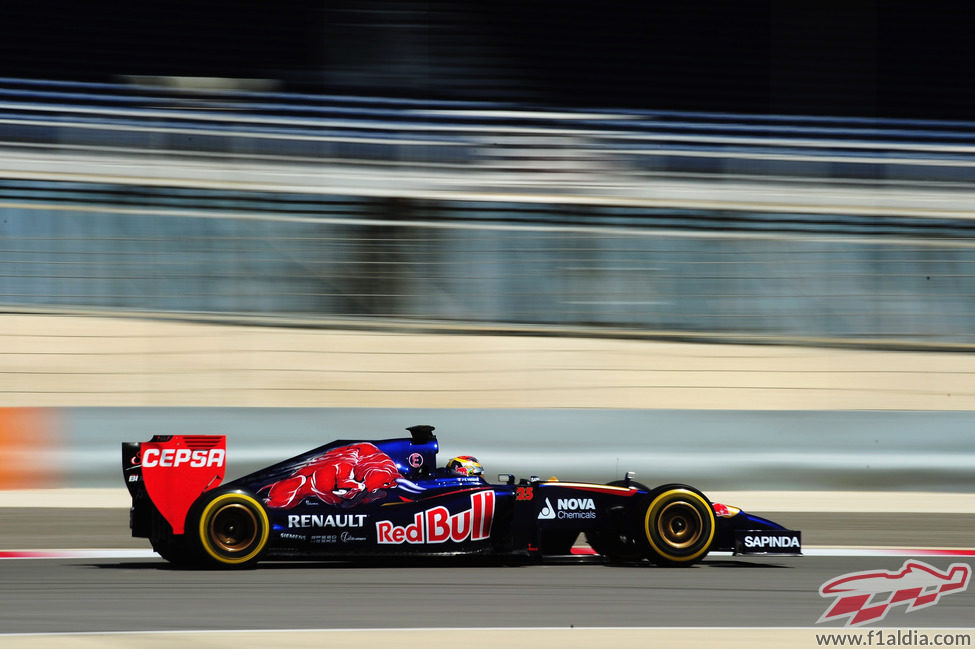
494	137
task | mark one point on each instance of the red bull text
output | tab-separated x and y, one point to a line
438	525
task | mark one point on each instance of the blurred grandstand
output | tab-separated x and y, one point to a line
304	208
666	170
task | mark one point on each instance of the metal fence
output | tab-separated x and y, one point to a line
491	137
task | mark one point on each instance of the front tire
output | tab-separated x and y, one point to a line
232	530
678	526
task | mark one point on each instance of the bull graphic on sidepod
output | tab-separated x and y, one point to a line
347	475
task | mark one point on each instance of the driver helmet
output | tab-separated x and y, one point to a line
465	465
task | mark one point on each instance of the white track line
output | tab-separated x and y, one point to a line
816	551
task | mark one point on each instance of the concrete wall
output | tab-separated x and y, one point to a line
714	450
720	416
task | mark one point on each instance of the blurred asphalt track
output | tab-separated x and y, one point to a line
112	595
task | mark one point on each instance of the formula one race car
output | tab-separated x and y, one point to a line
355	499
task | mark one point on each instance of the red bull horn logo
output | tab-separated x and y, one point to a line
864	597
438	525
348	475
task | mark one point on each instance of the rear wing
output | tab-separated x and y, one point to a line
171	471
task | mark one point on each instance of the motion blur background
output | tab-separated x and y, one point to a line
269	219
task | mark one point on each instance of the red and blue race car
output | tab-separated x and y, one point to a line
383	498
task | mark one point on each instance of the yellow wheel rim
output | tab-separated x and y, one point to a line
680	524
231	523
676	516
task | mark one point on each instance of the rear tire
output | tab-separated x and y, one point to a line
231	530
677	526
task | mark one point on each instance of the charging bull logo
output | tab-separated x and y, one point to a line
864	597
347	475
